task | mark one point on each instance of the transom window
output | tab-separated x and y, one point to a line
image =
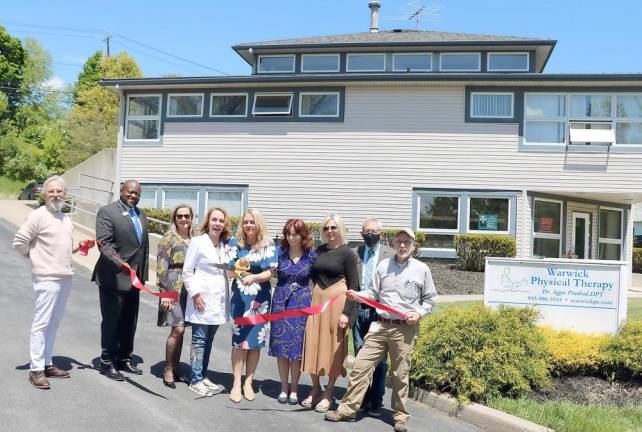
412	62
547	228
275	63
460	62
611	233
508	62
185	105
143	118
366	62
491	105
228	105
318	104
320	63
274	104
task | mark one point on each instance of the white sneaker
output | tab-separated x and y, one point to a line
214	388
201	389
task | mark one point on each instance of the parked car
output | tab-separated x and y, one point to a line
31	191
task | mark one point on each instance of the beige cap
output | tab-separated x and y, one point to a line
408	231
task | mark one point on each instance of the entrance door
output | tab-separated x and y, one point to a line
582	235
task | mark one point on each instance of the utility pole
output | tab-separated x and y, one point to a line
107	41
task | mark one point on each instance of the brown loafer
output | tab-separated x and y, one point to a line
336	416
400	426
54	372
39	380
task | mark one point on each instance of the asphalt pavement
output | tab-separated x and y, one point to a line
90	402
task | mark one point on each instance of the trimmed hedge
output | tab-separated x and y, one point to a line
475	353
472	249
637	260
624	352
573	354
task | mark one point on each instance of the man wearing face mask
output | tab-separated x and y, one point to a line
368	256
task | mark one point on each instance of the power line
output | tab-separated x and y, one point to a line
153	56
56	34
17	90
55	27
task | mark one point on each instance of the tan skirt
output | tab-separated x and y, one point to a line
325	344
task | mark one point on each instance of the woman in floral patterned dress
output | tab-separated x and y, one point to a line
250	296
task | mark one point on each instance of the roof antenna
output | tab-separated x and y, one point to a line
417	16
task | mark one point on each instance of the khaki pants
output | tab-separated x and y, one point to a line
383	338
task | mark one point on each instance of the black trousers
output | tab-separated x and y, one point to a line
119	310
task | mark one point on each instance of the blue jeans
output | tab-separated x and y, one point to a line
199	353
374	395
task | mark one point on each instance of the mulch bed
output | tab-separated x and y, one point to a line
592	390
449	280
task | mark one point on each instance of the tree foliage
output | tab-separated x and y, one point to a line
12	62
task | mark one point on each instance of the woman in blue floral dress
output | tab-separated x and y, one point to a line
292	291
250	296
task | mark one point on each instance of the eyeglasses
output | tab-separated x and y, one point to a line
183	216
330	228
404	242
371	232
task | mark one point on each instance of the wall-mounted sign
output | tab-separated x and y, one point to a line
546	225
487	222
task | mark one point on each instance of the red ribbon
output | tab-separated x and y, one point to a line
85	246
311	310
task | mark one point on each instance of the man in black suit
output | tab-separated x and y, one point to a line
122	229
369	255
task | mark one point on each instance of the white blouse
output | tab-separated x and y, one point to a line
204	274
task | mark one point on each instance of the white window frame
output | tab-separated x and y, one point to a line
303	57
512	104
546	235
499	54
448	54
258	63
169	97
275	113
212	95
179	188
143	117
508	227
617	120
428	54
209	189
155	189
605	240
454	231
337	94
349	55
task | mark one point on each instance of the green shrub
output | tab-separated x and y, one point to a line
160	214
388	235
637	260
573	354
476	353
625	352
472	249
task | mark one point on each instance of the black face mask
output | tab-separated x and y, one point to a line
371	239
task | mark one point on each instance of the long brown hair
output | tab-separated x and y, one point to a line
227	229
300	228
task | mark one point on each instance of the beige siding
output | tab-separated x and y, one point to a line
582	208
392	139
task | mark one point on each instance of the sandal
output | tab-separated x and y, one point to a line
323	406
311	401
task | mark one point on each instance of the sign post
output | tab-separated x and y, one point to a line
588	296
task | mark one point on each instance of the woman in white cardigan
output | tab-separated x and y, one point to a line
207	286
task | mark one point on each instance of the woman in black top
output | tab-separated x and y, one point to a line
326	337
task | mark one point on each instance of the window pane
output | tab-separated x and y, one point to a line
629	106
460	62
232	105
546	248
439	241
319	104
437	212
547	217
590	106
175	197
508	62
610	224
142	129
412	62
147	198
185	105
276	64
230	201
315	63
545	106
144	105
488	214
366	62
628	133
272	104
610	251
545	132
492	105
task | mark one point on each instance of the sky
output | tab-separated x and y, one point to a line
593	36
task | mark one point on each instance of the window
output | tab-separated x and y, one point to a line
174	197
439	217
143	117
319	105
272	104
545	118
185	105
488	215
275	63
147	197
629	119
547	228
366	62
611	221
590	106
228	105
412	62
320	63
491	105
460	62
230	200
508	62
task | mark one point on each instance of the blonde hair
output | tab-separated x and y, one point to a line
262	236
343	232
174	227
227	229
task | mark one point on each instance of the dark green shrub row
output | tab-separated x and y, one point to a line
472	249
637	260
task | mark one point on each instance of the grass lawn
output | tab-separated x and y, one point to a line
10	189
571	417
635	309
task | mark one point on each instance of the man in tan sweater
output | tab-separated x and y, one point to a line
46	239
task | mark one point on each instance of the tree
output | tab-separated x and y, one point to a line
12	61
91	73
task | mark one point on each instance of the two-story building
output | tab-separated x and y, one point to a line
445	132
